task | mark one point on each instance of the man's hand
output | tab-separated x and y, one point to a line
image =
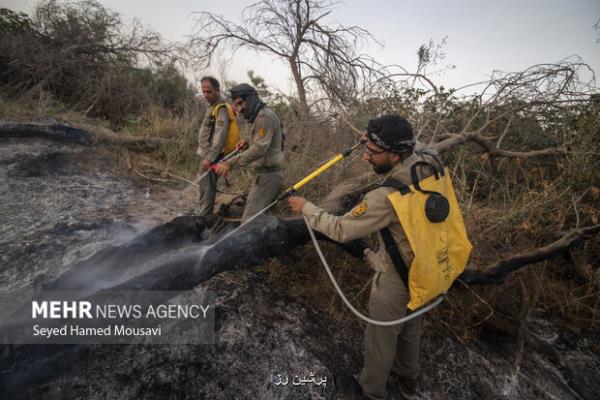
242	145
205	165
296	203
223	168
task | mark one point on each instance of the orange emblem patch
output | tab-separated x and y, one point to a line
262	132
359	209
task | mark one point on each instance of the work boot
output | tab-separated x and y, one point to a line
408	388
348	388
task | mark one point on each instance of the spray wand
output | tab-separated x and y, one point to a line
294	188
213	166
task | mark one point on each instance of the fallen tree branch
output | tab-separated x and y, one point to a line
84	136
152	179
497	272
449	141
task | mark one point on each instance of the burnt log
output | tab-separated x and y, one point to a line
81	135
55	132
113	264
201	256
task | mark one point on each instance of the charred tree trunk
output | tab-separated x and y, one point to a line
111	269
84	136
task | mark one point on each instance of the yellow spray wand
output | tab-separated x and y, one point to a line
291	190
318	171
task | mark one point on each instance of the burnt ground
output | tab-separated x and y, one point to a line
63	203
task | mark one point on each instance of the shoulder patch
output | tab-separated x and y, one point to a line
359	209
262	132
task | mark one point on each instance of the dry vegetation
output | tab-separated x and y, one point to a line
522	149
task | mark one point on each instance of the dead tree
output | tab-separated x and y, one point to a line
295	31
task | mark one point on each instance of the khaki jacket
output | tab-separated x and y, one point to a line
211	137
374	213
265	143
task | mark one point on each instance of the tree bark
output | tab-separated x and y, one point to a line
295	67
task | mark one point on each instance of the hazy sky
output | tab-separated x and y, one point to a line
482	36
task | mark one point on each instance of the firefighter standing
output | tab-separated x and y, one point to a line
263	152
390	149
217	131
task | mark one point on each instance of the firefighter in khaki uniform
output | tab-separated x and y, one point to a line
390	149
211	139
264	151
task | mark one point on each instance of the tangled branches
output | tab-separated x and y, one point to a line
82	53
321	55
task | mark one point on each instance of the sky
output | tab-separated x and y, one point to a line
480	36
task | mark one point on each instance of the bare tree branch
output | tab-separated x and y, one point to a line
316	52
79	135
452	140
498	271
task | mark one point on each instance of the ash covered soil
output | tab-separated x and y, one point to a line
60	204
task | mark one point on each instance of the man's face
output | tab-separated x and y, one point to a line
209	92
239	105
379	158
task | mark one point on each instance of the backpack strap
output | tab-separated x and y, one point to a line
390	245
396	184
392	249
415	179
428	151
213	119
215	110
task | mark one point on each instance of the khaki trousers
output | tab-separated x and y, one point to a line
207	191
395	347
263	191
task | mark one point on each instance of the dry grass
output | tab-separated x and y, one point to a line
302	277
42	107
179	157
